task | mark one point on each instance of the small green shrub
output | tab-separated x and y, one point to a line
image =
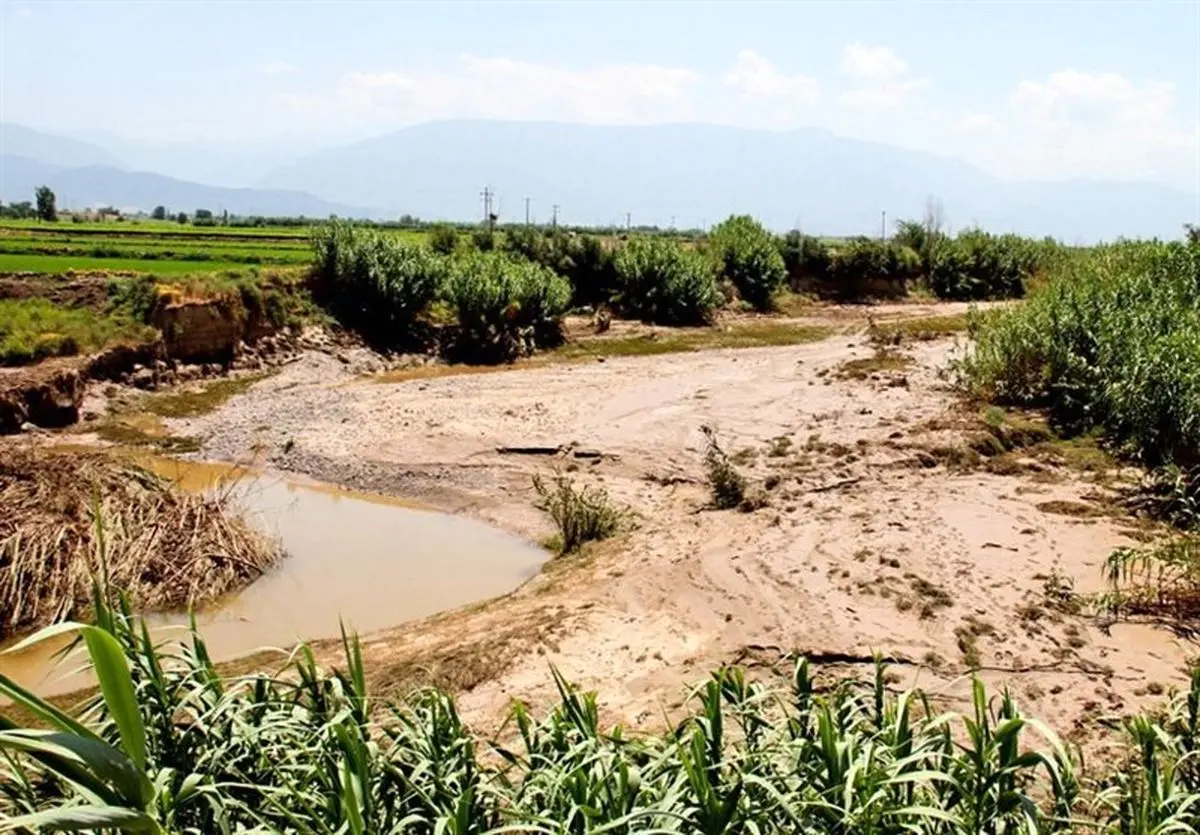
747	256
663	283
727	485
505	307
138	296
582	514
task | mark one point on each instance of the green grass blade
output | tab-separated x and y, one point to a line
116	685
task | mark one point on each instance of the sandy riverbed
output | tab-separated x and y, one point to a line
862	546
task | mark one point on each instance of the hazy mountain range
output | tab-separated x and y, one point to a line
688	174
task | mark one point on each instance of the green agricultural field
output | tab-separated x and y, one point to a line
157	250
54	264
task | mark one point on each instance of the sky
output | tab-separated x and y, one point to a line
1029	90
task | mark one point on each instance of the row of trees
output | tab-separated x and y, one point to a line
43	208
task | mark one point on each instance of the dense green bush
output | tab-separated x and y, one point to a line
662	282
374	282
865	259
747	256
580	258
483	239
589	265
443	238
529	243
1113	342
505	306
170	745
975	265
805	257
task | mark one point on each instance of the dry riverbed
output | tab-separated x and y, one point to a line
877	535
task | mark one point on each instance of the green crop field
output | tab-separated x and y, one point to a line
55	264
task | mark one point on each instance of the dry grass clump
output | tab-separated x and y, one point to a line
166	548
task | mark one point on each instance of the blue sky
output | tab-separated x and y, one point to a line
1029	90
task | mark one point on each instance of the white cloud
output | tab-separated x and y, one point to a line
1076	123
756	77
504	88
862	61
277	68
882	77
976	122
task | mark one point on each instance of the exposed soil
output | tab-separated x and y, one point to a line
868	542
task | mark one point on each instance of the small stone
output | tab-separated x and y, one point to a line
143	379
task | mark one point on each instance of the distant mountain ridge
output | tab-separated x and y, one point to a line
20	141
104	185
694	175
681	174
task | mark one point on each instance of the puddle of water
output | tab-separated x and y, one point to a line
369	559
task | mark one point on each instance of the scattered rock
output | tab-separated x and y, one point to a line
142	378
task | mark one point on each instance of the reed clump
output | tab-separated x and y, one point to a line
169	549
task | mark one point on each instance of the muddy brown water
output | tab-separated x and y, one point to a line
370	560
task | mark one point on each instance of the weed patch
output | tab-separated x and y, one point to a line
918	329
198	401
582	514
727	485
34	329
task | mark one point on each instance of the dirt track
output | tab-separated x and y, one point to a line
864	545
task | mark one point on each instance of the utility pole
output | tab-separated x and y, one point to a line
554	218
487	196
526	211
628	223
883	225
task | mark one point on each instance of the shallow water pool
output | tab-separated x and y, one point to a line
371	560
